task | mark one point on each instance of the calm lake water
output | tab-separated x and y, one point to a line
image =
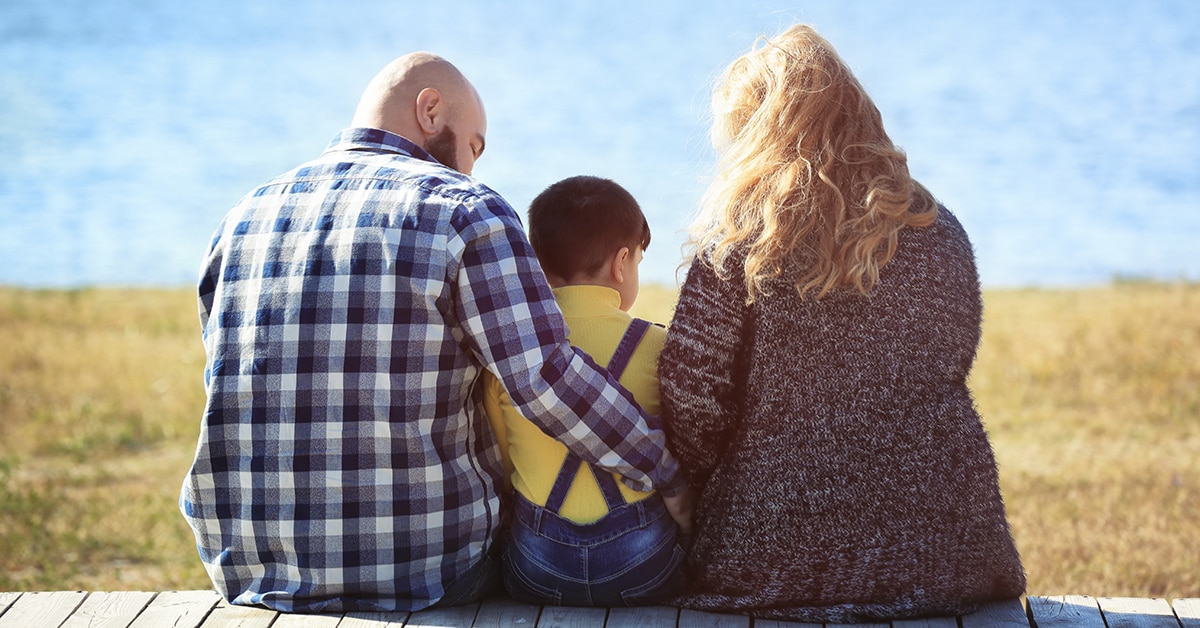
1065	135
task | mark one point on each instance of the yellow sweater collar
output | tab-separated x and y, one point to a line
587	300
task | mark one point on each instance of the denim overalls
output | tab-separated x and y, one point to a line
629	557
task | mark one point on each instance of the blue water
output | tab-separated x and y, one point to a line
1065	135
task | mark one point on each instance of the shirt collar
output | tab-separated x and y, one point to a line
587	300
376	140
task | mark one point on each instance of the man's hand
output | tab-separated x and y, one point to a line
680	508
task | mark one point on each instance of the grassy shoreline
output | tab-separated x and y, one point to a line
1091	397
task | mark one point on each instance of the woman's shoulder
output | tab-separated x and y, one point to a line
944	245
949	227
949	221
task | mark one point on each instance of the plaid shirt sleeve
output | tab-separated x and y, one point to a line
511	320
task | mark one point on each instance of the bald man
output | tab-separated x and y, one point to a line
348	308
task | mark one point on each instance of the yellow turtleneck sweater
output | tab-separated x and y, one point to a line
596	325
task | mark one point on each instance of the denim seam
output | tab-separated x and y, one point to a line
634	594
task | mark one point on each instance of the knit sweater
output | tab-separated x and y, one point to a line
845	473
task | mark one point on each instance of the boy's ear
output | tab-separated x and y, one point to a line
617	265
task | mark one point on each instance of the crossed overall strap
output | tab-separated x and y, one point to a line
566	475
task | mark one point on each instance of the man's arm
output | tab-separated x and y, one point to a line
511	320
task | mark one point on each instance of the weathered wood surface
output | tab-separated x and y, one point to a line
1065	610
1188	612
204	609
1129	612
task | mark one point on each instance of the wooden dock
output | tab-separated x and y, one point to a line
204	609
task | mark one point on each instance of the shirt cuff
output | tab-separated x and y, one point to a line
675	484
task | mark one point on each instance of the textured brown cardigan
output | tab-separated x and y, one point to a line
844	471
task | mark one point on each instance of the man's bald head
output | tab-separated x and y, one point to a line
424	98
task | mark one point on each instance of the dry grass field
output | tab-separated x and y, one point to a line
1091	396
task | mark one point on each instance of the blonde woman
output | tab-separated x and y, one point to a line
814	377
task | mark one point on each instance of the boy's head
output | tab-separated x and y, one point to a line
589	230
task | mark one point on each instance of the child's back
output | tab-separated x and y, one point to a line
579	536
596	325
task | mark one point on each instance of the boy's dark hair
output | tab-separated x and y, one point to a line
576	225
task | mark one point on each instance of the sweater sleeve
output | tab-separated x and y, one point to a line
699	370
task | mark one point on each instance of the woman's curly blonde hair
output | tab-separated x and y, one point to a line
809	186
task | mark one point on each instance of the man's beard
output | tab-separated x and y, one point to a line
443	147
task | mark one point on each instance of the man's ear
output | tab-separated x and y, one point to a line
431	111
617	265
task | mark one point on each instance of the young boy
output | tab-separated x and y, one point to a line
579	536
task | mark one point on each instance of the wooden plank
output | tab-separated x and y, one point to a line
930	622
1187	610
296	620
7	598
368	619
42	608
1073	611
226	615
643	617
700	619
109	609
1134	612
504	611
785	623
443	617
178	609
184	609
571	617
1005	614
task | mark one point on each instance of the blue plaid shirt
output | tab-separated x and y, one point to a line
348	308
